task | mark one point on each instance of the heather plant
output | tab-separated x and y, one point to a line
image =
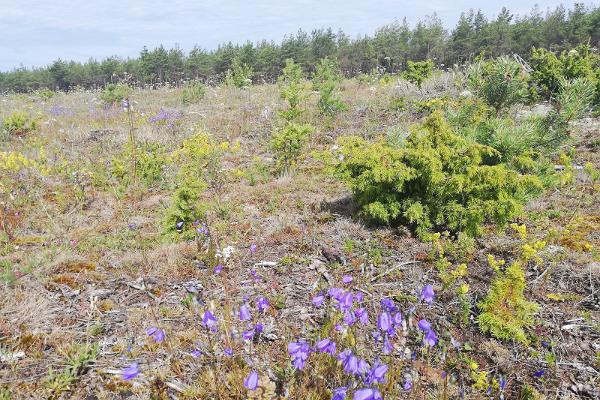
287	144
293	89
501	83
418	72
326	81
193	93
19	123
240	74
115	93
437	180
505	312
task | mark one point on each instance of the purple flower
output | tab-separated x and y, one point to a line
362	315
245	313
157	334
335	293
389	305
253	248
343	356
258	328
248	335
339	393
196	353
299	352
179	226
407	384
346	301
326	346
539	373
346	279
350	364
349	318
545	344
367	394
430	338
363	367
228	352
358	296
209	321
427	294
262	304
131	372
251	381
502	383
387	347
383	322
424	325
376	374
218	269
318	300
398	318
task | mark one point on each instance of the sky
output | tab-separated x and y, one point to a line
35	33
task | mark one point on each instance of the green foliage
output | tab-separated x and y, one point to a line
115	93
193	93
292	88
78	360
19	123
287	144
418	71
7	275
5	394
580	64
437	180
199	161
501	83
45	94
397	104
326	81
151	159
575	98
240	74
505	312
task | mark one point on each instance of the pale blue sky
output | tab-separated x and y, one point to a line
34	32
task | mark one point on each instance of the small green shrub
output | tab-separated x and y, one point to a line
438	180
550	70
575	98
501	83
240	75
19	123
193	93
151	161
287	144
397	104
326	81
199	162
418	72
45	94
292	88
505	312
115	93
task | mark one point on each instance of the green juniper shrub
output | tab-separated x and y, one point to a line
437	180
293	89
193	93
199	168
501	83
326	81
151	160
239	75
287	144
19	123
115	93
549	70
418	72
505	312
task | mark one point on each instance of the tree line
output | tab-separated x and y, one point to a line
387	50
